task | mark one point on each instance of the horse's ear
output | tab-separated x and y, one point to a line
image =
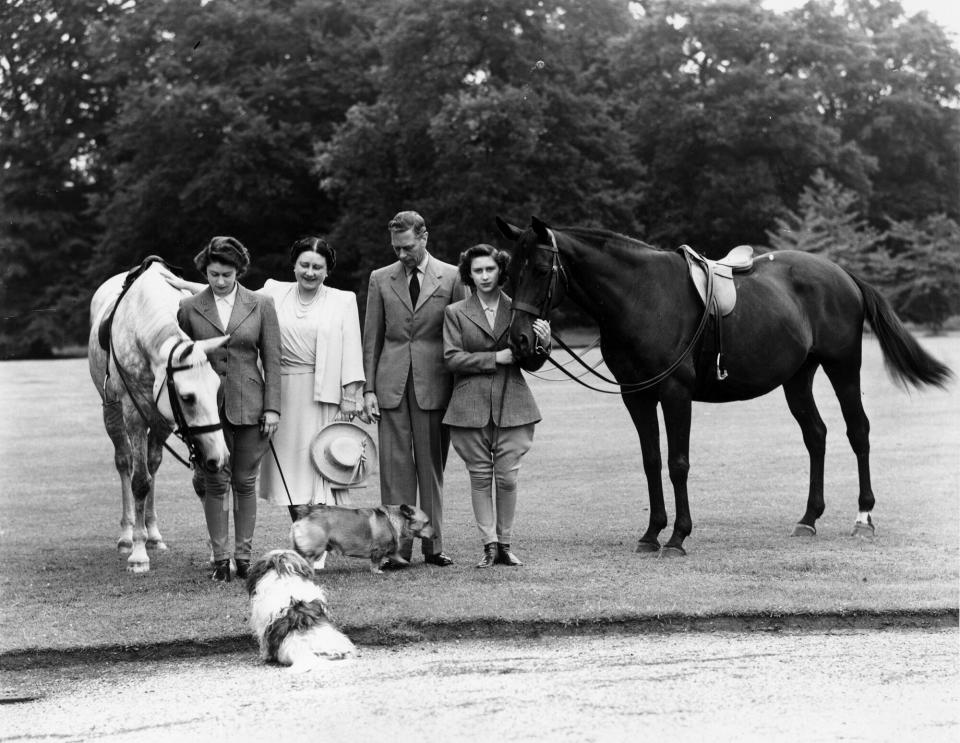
185	353
211	343
508	230
540	229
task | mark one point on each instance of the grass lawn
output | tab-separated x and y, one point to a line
582	506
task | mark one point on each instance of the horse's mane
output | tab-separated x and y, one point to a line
602	234
155	302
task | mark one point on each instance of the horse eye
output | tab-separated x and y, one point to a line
188	399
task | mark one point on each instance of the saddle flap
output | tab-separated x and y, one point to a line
724	290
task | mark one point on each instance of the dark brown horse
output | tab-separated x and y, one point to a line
794	313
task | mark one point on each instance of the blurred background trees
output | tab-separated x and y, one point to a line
131	128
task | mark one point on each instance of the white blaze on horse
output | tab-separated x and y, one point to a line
152	379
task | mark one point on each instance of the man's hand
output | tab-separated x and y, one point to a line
371	408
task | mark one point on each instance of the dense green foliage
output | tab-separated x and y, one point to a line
135	128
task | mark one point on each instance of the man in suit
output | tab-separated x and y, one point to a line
407	385
249	401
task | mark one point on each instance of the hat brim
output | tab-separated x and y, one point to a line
334	472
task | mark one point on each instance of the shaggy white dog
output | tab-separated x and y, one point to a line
288	613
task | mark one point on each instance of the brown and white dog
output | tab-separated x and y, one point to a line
288	613
373	533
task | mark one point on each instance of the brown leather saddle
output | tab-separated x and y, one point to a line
724	295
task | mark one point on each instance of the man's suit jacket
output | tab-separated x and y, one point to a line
398	337
254	336
484	390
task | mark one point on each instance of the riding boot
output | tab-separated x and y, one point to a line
221	571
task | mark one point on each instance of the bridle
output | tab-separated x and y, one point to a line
182	429
557	273
623	388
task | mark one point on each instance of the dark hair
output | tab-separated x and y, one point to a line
403	221
223	249
314	245
482	250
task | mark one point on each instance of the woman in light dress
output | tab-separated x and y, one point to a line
321	367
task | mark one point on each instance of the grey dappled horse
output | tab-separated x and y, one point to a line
148	348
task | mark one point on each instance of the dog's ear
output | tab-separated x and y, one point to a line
406	511
300	512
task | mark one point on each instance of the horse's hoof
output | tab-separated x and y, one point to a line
804	530
648	548
861	529
668	551
156	544
138	567
124	546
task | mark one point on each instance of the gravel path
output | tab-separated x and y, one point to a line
849	685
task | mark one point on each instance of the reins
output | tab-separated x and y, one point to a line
183	430
623	388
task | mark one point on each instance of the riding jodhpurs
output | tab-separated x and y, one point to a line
247	447
492	453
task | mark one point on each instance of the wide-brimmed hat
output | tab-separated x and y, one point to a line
344	453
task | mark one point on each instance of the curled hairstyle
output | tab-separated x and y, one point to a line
403	221
482	250
314	245
223	249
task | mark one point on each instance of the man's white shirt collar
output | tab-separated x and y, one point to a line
421	266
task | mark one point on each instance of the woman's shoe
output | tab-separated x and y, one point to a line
506	557
221	571
243	569
489	555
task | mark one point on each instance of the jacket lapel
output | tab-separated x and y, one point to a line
242	307
398	280
502	323
431	281
207	306
474	311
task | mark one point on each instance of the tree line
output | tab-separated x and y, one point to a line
135	128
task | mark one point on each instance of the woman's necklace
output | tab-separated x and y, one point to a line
303	308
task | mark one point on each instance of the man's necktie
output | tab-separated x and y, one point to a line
414	288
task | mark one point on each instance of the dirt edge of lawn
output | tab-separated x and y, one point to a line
487	628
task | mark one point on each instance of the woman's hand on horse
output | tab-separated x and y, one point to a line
181	284
542	329
504	356
269	423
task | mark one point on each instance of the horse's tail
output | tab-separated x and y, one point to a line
905	359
